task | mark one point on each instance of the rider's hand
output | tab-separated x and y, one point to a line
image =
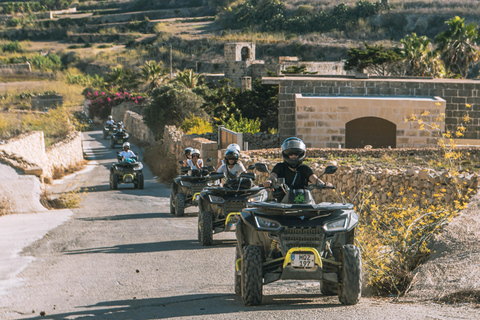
267	183
328	185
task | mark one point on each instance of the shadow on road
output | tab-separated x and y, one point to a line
153	247
153	215
190	305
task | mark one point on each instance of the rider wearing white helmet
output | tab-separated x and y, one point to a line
110	121
188	156
195	162
232	167
126	153
232	146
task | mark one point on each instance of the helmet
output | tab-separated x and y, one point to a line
196	151
293	146
110	118
188	151
231	154
126	144
233	146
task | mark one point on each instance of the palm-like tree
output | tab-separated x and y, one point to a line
189	79
124	79
153	74
420	59
458	46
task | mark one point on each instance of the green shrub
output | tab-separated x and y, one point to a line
243	125
13	46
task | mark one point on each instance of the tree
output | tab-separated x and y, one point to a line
458	46
420	58
376	59
171	105
124	79
153	74
189	79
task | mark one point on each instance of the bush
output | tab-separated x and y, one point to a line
196	125
101	103
13	46
243	125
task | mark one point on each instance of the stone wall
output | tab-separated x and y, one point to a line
136	128
456	93
423	185
28	153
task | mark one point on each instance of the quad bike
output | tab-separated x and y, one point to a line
296	239
119	137
126	171
186	188
109	130
220	206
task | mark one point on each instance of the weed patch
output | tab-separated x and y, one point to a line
463	296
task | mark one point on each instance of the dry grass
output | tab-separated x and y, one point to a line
463	296
5	205
59	173
67	200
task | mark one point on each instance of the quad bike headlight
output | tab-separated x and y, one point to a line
337	225
215	199
185	184
267	224
259	197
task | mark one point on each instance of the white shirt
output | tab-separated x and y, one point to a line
110	122
235	170
192	166
127	154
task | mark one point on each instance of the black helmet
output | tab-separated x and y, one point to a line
231	154
188	151
293	146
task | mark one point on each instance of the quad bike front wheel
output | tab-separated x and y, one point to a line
113	181
180	205
238	275
172	202
112	144
350	288
205	227
140	183
252	274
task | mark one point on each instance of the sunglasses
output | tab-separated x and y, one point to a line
195	156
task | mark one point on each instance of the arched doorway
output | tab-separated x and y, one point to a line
377	132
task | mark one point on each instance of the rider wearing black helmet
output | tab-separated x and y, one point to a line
232	167
188	156
296	174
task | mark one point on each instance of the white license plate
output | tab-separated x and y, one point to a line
303	260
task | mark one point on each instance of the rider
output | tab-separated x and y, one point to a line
296	174
232	167
110	121
233	146
195	162
188	156
126	153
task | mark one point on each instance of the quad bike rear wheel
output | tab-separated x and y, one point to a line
180	205
238	274
350	288
205	227
252	273
140	184
172	202
113	181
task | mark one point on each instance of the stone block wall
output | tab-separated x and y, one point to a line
136	128
456	93
46	101
66	153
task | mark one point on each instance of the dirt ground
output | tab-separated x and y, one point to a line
452	273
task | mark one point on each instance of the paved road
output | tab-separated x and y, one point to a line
123	256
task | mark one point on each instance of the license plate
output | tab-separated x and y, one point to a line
303	260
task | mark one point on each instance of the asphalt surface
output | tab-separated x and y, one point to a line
122	255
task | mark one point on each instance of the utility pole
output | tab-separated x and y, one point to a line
171	68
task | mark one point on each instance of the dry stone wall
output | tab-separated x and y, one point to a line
28	153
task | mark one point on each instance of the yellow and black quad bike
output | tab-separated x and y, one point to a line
220	207
186	187
296	239
126	171
118	137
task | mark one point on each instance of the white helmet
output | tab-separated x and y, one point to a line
110	118
126	144
197	152
233	146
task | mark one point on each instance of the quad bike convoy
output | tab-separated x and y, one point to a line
296	239
126	171
118	137
186	188
220	207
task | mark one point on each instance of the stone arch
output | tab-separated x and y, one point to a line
245	53
374	131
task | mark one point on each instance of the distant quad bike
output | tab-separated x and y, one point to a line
186	188
220	207
119	137
109	130
126	171
296	239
